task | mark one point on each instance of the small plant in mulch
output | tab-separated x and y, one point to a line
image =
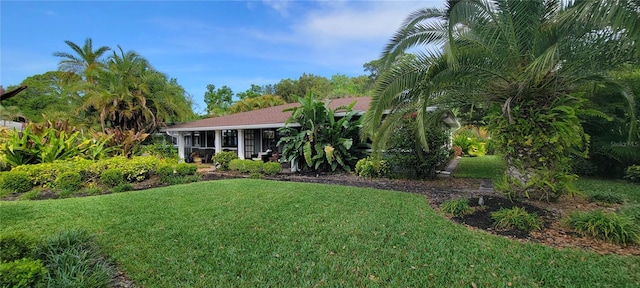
457	207
481	217
516	218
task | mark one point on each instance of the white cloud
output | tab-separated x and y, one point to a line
363	21
279	5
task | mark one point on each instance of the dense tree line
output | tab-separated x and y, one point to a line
95	89
220	101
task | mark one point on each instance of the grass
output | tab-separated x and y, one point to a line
627	190
484	167
249	233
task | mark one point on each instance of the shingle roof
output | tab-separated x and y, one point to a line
271	117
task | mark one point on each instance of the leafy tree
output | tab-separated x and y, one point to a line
253	92
86	62
318	86
52	93
218	101
255	103
525	60
322	142
287	89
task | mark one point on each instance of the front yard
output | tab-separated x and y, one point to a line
250	233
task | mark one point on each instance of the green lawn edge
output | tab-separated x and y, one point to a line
248	233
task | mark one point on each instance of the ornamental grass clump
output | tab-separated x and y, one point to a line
457	207
611	227
74	259
516	218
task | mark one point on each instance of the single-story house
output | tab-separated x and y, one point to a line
251	134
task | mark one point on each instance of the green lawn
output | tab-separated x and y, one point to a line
487	167
251	233
629	191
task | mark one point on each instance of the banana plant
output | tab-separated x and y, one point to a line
321	141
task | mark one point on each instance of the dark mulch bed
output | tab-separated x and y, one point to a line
481	217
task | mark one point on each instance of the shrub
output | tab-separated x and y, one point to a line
456	150
606	197
165	173
185	169
408	158
22	273
516	218
74	259
15	182
160	150
633	173
191	178
476	149
372	167
236	164
271	168
139	168
124	187
616	228
256	175
71	181
463	139
253	166
15	246
44	174
31	195
456	207
222	159
112	177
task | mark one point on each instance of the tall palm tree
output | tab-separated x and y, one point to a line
525	60
130	94
85	62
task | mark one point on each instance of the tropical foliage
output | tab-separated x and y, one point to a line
408	157
255	103
321	142
130	94
526	61
51	141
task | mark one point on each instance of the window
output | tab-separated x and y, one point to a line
211	137
268	139
249	142
229	138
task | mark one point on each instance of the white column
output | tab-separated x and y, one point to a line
181	146
218	141
240	143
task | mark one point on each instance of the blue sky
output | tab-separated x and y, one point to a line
233	43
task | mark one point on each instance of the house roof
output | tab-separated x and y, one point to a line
272	117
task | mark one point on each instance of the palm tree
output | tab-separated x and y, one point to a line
86	62
132	95
525	60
